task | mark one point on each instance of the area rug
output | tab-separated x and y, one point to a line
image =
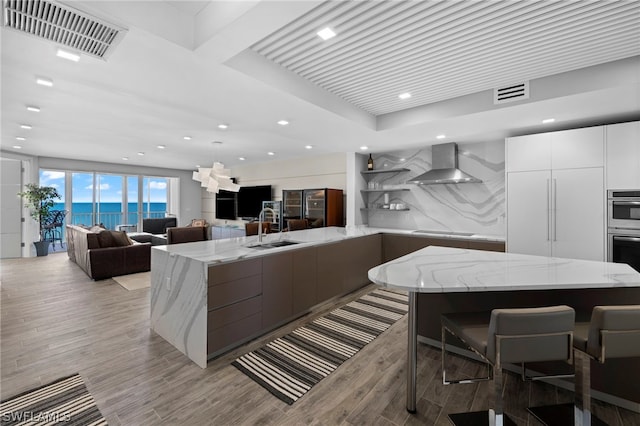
66	401
134	281
291	365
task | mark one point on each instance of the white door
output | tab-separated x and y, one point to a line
578	218
10	209
528	212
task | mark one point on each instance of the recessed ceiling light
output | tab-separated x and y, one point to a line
20	138
283	122
125	158
44	81
187	138
26	126
326	33
161	147
17	147
406	95
308	146
441	136
271	153
241	158
141	153
67	55
223	126
33	108
364	148
548	120
197	166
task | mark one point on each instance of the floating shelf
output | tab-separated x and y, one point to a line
384	190
372	172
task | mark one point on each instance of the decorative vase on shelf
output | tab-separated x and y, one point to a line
370	163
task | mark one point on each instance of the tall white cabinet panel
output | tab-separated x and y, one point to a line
555	194
578	213
528	212
575	148
623	155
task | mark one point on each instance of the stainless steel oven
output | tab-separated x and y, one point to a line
624	209
624	247
624	227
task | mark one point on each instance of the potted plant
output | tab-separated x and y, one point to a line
39	200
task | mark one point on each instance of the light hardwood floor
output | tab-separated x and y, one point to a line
55	321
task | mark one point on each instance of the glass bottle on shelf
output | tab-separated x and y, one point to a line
370	163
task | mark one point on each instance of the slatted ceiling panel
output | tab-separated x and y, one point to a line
62	25
577	48
438	50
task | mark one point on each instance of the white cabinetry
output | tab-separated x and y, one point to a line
555	194
623	155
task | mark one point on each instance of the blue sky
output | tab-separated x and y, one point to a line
110	187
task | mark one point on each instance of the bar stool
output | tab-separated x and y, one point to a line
503	336
613	332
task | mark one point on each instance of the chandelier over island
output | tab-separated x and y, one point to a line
215	177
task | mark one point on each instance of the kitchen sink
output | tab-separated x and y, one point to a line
274	244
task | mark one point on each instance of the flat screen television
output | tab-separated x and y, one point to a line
226	205
250	200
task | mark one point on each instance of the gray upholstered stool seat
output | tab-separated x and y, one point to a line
502	336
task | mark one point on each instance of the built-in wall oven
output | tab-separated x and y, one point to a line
624	227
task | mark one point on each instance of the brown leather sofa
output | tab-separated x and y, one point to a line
105	254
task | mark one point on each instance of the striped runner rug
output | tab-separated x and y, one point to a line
291	365
66	401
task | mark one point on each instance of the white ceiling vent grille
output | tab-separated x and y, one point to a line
514	92
62	25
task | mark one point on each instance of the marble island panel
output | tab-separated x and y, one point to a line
231	249
449	270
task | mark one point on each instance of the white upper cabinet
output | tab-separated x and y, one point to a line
577	148
528	153
623	155
568	149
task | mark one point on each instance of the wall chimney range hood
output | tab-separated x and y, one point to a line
445	167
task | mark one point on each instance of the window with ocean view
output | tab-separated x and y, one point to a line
115	201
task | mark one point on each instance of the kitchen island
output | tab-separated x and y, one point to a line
443	271
210	296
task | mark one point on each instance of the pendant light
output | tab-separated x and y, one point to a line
216	177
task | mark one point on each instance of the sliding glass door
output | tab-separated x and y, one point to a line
114	201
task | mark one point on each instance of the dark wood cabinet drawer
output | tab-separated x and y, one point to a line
233	291
219	274
234	313
233	333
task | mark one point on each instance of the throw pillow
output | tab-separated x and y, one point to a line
96	229
105	239
120	239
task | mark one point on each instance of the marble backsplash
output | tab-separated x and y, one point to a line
467	207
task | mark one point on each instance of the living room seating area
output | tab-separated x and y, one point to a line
154	231
104	254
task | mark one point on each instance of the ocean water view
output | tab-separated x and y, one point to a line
110	214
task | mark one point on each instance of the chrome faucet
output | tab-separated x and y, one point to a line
260	216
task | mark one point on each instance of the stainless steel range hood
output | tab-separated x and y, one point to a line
445	167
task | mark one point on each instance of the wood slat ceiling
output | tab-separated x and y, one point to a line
438	50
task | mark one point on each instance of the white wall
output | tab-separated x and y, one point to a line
325	171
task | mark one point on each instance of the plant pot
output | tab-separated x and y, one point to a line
42	247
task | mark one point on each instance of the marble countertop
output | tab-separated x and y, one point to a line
230	249
443	270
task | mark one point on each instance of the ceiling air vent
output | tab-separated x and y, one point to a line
63	25
514	92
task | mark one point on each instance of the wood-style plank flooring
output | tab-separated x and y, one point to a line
55	321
